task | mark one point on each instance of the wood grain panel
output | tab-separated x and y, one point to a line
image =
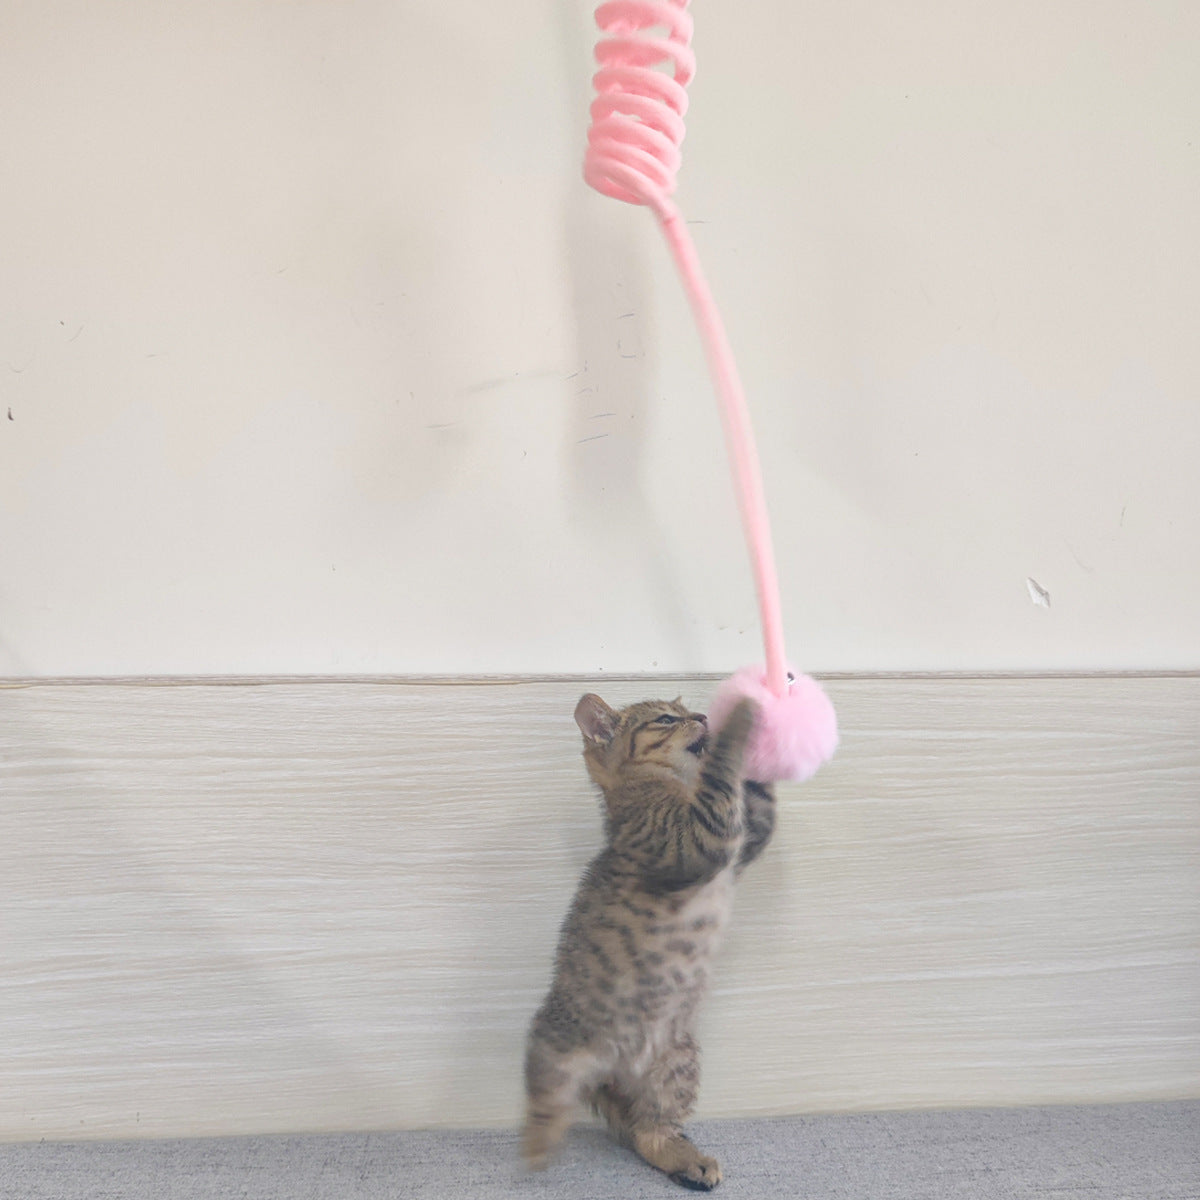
303	906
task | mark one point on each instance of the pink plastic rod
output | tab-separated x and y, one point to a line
633	155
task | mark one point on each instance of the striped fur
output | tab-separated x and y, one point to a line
636	948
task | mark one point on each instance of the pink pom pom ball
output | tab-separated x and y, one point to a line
796	732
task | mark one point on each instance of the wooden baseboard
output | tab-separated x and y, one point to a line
313	905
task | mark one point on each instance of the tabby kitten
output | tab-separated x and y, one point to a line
634	955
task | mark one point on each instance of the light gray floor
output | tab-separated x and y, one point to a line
1120	1152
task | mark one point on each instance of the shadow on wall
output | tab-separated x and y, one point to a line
612	295
12	663
179	998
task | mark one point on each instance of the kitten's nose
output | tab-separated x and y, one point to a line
701	717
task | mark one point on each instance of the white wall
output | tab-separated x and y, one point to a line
309	329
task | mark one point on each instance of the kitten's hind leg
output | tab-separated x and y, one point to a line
666	1148
662	1100
612	1106
554	1084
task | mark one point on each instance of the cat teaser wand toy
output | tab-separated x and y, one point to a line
633	155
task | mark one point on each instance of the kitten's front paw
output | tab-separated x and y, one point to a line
741	720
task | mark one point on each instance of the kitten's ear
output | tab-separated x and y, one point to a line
597	722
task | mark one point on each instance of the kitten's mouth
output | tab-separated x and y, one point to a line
697	747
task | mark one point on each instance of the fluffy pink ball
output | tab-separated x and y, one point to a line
796	732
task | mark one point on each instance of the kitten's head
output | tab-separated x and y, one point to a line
654	733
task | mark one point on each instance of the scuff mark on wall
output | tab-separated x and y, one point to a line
1037	593
1078	561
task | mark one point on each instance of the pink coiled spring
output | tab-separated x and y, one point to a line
633	155
637	116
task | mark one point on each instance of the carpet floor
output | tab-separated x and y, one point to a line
1110	1152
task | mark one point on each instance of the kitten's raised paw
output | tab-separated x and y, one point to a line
741	721
700	1176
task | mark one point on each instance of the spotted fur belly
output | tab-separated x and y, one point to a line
670	975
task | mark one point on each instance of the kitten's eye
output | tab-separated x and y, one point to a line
665	719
